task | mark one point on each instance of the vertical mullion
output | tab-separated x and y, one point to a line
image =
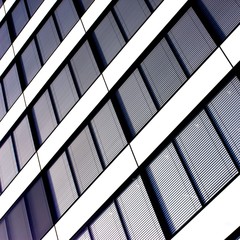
149	6
57	27
53	105
4	96
74	80
15	152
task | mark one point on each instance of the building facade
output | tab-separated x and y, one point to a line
119	119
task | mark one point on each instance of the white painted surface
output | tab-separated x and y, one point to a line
32	24
2	13
54	62
181	104
218	220
6	59
141	40
70	123
19	184
93	12
51	235
121	168
231	46
12	115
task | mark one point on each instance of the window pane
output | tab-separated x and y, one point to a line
131	14
108	225
39	213
64	92
18	224
225	109
108	132
44	117
30	61
136	103
3	230
163	72
155	3
61	184
108	39
223	17
173	188
86	3
2	104
12	86
19	17
191	41
48	39
84	67
208	161
4	39
66	16
138	214
8	166
24	142
33	5
84	159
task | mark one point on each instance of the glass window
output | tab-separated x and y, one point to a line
33	5
208	161
61	184
138	214
155	3
30	62
131	15
66	16
162	72
84	158
64	92
225	109
191	41
85	3
108	225
8	165
24	142
135	102
223	17
19	17
18	224
84	67
4	39
2	104
108	132
44	117
108	39
173	188
12	86
3	230
39	213
48	39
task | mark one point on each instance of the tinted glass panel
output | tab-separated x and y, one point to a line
33	5
39	213
108	132
85	3
108	225
18	224
225	109
48	39
44	117
135	102
155	3
8	166
4	39
64	92
20	17
2	104
173	188
138	214
131	14
191	41
61	184
12	86
108	39
84	67
209	163
30	61
162	72
24	142
66	16
3	231
84	158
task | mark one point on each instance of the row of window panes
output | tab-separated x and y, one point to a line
146	90
65	15
187	174
183	177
